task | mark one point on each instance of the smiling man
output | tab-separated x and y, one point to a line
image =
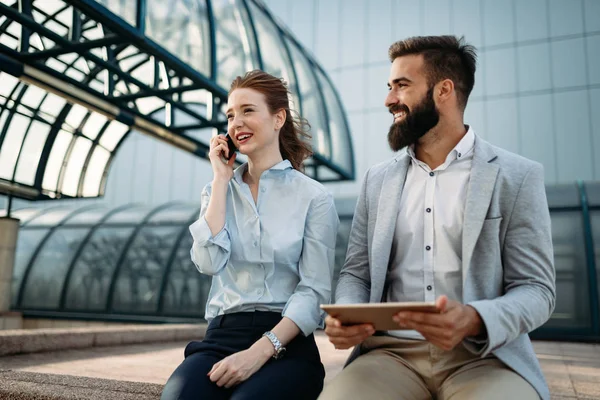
450	219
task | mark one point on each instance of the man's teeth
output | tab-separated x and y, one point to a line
398	115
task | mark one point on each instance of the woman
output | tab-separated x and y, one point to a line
266	234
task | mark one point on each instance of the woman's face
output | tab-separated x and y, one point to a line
251	124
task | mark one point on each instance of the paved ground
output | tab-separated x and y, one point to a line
572	370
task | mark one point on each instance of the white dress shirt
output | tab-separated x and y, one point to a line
426	256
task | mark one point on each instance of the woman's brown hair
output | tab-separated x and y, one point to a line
293	136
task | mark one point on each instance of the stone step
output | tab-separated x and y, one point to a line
21	341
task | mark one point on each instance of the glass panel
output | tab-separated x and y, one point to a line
572	311
338	130
9	82
45	281
125	9
568	63
177	214
12	145
56	160
89	217
51	217
93	125
94	269
75	166
32	151
186	290
141	274
25	214
27	242
595	220
95	172
129	216
113	134
76	116
534	67
312	105
236	49
52	105
33	97
182	27
275	60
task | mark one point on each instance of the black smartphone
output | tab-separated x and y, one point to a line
232	148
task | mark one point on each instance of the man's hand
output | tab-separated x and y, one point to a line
446	329
344	337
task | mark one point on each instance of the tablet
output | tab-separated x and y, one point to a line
378	314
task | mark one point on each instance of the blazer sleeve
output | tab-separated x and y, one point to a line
529	275
354	284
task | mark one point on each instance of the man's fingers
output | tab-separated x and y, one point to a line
441	303
349	331
346	342
330	321
404	319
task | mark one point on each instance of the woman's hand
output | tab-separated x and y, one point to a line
219	150
240	366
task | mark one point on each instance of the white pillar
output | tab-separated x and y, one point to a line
9	229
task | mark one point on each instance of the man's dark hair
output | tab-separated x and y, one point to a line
445	57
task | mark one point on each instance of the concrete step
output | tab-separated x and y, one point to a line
21	341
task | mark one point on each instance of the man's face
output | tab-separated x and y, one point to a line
410	101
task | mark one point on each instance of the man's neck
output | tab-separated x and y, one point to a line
434	146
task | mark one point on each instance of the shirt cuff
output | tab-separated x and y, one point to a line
203	237
304	314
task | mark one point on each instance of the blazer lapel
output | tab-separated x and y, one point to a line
387	215
479	196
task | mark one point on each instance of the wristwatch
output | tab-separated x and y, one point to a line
279	349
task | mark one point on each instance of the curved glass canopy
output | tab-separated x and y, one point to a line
130	262
76	76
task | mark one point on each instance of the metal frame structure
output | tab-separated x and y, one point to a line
86	77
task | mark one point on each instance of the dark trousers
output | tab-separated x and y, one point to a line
298	375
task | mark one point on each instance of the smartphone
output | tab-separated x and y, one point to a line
232	148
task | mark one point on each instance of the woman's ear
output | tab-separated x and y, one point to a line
280	118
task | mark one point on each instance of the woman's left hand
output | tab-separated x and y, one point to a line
240	366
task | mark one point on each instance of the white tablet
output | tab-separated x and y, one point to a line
378	314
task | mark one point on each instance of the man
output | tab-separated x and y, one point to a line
451	219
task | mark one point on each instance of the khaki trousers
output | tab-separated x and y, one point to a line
394	368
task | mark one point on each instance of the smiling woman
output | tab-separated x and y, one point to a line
266	234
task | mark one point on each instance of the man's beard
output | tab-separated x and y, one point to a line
415	123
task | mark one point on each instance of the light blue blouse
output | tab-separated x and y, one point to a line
275	255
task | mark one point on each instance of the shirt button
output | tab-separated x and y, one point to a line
255	243
459	155
431	174
263	189
428	209
429	287
427	248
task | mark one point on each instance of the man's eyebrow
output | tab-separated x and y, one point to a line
398	80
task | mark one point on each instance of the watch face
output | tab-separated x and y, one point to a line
280	353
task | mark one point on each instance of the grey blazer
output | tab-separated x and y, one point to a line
507	256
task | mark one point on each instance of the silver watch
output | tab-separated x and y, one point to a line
279	349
